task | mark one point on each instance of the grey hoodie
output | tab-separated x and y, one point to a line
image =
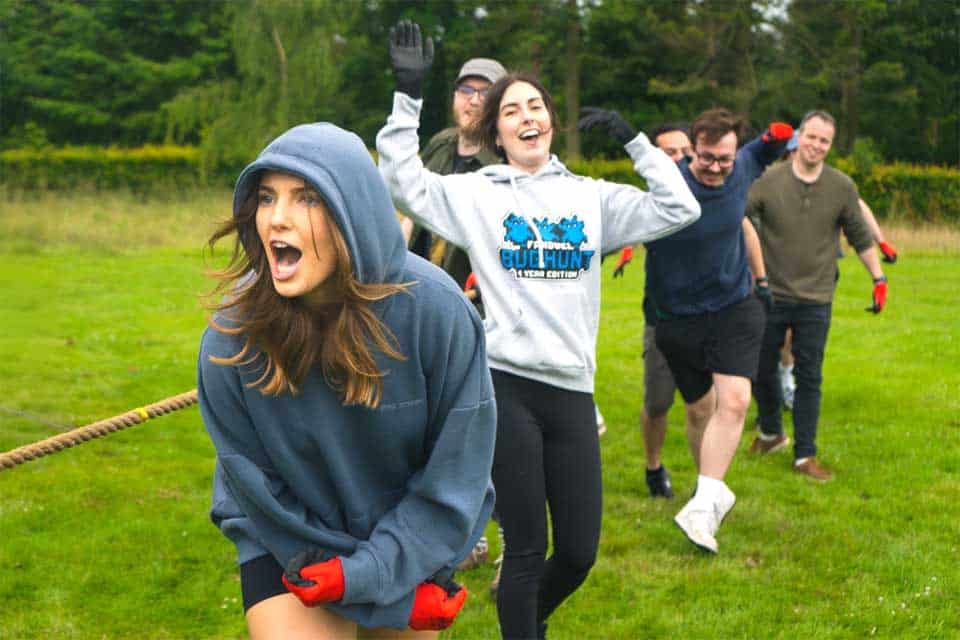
535	242
401	492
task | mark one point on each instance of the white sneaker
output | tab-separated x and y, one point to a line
700	520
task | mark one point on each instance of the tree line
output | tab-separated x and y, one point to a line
227	76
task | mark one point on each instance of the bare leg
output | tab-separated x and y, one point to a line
786	351
284	617
722	434
393	634
654	433
698	416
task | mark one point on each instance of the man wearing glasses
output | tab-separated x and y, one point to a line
454	151
709	322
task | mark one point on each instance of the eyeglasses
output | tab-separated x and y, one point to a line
467	91
707	159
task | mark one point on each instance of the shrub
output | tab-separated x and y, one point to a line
140	170
911	192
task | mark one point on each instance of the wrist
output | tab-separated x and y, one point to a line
879	279
761	281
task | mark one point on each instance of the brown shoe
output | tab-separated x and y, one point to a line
810	467
769	446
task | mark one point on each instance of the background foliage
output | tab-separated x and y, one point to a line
229	76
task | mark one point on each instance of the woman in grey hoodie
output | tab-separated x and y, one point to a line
342	380
534	233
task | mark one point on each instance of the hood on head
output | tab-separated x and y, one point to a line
337	164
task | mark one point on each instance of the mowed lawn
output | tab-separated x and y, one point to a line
100	297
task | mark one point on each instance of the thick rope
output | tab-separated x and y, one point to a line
79	435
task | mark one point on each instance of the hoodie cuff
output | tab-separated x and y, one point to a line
361	577
638	146
402	103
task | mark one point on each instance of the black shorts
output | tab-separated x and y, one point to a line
725	341
260	579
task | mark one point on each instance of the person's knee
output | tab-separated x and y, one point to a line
578	561
734	402
655	412
700	410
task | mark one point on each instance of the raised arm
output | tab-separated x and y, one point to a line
630	215
436	202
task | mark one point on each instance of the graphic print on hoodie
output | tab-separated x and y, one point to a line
533	240
548	249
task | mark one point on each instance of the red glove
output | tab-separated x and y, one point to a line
625	257
879	294
313	579
777	132
471	288
471	282
435	606
889	252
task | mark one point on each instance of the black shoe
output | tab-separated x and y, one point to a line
658	481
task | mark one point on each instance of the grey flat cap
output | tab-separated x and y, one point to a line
485	68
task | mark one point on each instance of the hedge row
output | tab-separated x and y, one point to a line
900	191
142	170
896	190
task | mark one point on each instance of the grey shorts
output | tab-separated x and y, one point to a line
658	383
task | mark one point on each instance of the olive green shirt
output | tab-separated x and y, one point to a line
798	225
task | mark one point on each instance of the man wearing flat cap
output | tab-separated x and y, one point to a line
453	151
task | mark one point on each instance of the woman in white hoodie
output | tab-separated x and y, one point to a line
534	233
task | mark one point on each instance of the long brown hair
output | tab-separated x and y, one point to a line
484	129
286	337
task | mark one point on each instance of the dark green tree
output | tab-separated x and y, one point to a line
96	72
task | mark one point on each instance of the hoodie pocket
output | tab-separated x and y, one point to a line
555	335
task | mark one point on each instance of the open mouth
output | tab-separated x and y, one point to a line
285	259
529	135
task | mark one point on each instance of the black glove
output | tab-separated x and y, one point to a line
410	56
762	289
617	127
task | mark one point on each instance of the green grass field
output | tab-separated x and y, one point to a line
100	300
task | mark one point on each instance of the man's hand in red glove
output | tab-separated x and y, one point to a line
436	605
625	257
471	288
314	577
777	132
888	251
879	294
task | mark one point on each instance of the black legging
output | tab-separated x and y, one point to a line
547	454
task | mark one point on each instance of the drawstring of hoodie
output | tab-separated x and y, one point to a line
530	223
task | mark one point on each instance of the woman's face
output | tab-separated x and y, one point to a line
294	226
524	129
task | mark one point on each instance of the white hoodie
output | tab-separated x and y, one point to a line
535	241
